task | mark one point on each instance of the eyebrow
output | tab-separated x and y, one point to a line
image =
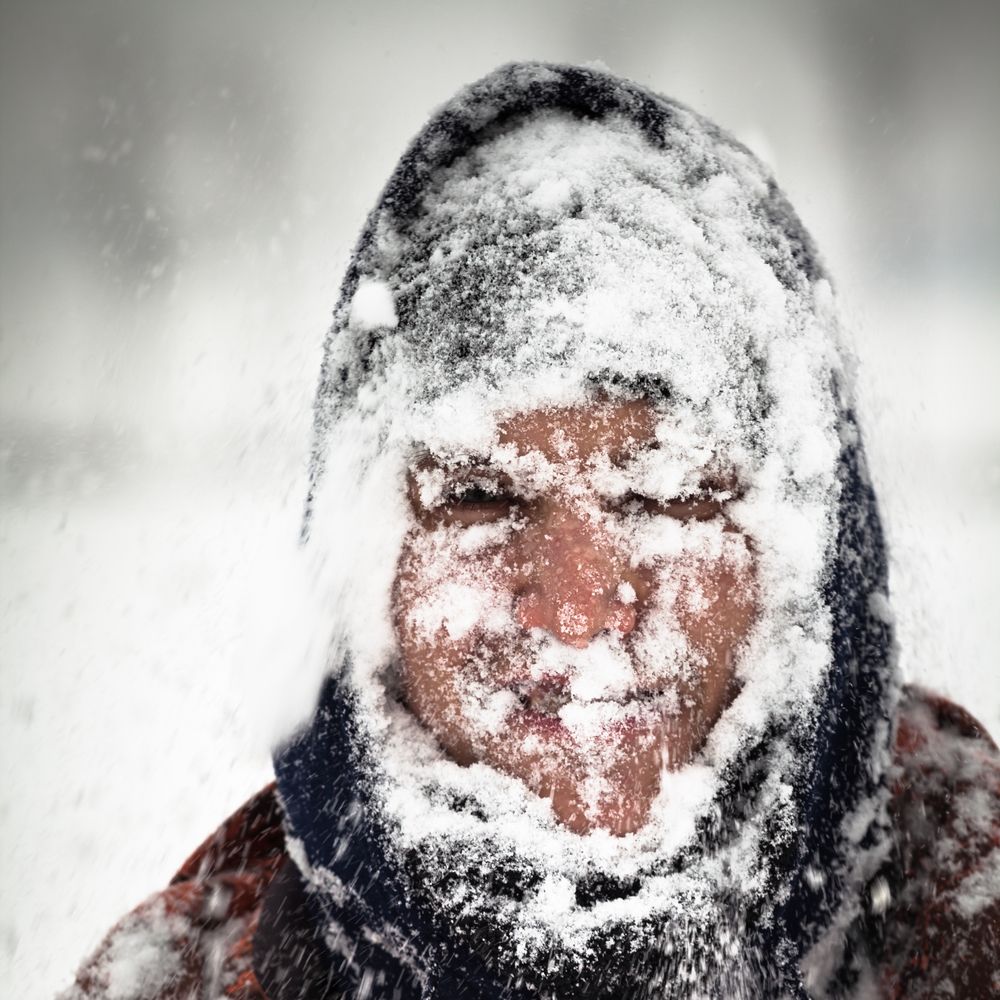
428	460
467	470
476	462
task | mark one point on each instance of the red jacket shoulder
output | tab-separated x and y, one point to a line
944	936
198	932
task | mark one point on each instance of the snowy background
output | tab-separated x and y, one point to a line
180	185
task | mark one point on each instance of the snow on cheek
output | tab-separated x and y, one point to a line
456	574
692	566
660	645
455	607
603	670
483	541
485	710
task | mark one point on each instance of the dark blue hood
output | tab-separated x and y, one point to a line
384	939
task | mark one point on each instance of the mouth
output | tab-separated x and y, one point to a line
550	695
545	697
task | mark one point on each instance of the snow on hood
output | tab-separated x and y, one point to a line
556	235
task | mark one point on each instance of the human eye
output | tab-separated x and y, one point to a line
465	496
687	508
698	507
477	502
476	495
705	503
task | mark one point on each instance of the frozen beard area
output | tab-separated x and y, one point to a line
566	267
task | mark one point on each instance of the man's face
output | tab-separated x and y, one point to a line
561	620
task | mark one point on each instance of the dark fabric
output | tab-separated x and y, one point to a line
854	702
379	908
291	958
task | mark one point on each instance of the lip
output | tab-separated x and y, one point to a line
539	724
528	688
535	693
546	681
639	716
530	720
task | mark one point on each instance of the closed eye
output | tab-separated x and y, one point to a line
473	496
476	503
696	508
701	506
466	496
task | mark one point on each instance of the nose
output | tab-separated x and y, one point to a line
572	589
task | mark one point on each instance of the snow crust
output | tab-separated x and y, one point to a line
960	798
372	306
142	957
561	261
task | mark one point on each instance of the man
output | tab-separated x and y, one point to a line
608	704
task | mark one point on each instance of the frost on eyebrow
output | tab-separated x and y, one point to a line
434	485
430	481
525	474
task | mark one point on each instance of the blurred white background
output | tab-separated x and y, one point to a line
180	186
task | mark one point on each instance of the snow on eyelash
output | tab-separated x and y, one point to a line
430	486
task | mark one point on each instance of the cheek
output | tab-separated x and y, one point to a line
716	600
703	597
450	602
446	592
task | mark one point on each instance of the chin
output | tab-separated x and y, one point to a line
618	816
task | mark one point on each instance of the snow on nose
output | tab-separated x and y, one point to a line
574	591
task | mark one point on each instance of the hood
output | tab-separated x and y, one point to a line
552	236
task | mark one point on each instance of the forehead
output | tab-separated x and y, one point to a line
576	433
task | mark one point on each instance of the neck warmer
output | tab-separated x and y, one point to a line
555	232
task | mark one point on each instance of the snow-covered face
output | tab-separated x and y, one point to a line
561	619
578	643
